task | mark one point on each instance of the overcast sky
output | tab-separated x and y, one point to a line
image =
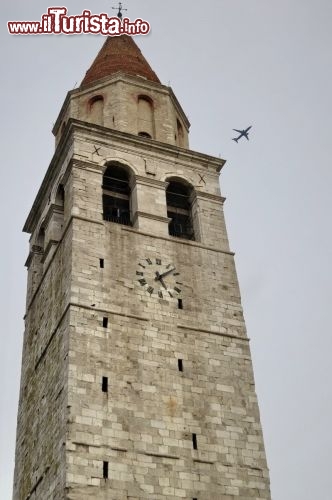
231	64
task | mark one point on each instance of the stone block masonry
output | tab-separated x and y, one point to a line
132	388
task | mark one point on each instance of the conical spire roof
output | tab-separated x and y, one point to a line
119	53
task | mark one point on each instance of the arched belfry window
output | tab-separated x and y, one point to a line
116	194
178	199
96	109
145	117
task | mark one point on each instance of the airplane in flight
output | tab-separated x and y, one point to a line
243	133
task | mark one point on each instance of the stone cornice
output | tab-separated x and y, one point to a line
147	215
86	165
211	197
148	181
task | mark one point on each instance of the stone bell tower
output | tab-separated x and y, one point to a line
137	379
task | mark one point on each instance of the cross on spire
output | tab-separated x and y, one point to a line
120	9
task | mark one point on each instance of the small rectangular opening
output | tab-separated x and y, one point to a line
180	304
104	384
105	470
105	322
194	441
180	365
101	263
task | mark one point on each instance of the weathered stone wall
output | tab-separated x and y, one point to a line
143	426
89	317
42	421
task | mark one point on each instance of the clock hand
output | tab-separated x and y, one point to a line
163	283
159	277
167	272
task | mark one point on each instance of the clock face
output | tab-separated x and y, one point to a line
159	278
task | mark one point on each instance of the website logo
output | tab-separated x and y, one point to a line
56	22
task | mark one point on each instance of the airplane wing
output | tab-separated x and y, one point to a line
247	130
239	131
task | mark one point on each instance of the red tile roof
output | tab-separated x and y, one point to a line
119	53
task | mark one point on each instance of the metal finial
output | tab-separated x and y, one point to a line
120	9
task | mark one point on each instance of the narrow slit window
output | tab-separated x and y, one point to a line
104	384
180	365
101	263
105	470
194	441
180	304
105	322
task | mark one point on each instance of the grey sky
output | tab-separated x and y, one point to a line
231	65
